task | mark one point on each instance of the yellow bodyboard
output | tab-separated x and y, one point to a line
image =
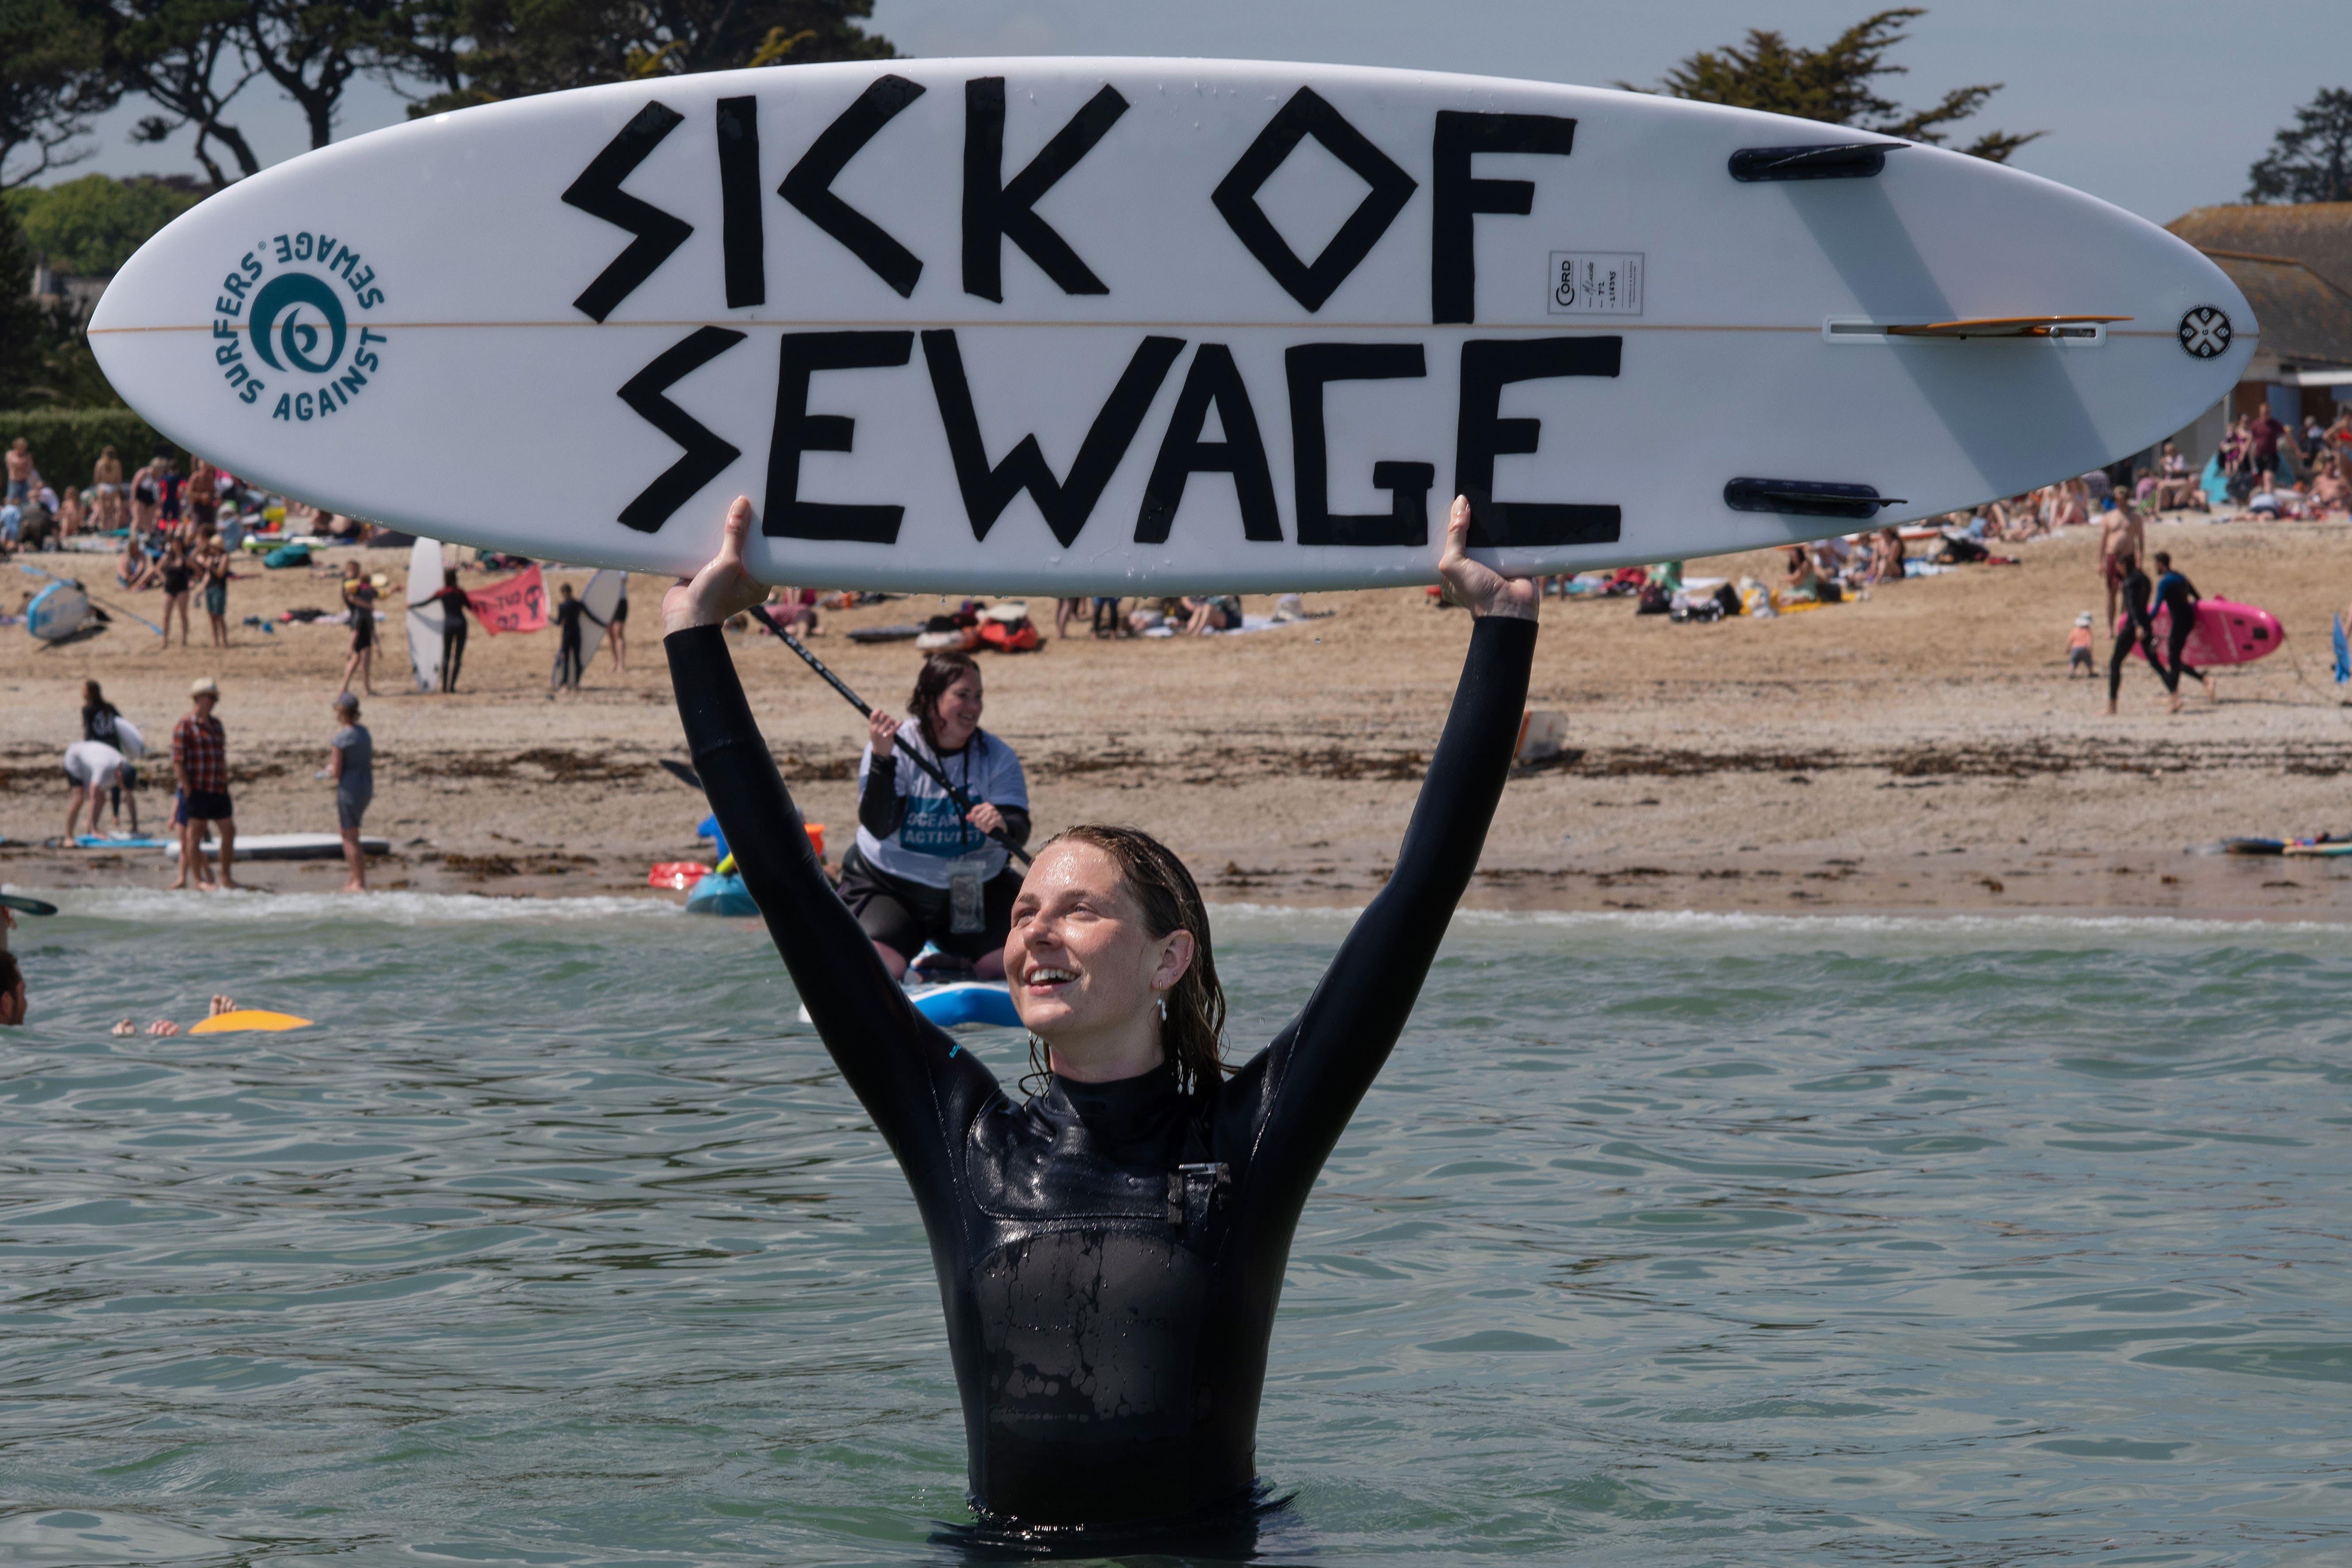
248	1018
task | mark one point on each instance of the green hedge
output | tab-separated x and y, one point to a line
66	442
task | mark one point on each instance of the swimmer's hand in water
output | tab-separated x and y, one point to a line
1484	590
723	587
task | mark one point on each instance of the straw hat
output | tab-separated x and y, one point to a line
203	686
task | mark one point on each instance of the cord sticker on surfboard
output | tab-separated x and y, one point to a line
1597	282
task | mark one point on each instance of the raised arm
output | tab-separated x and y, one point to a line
1319	1067
902	1067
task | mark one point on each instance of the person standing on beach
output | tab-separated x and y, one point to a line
106	489
178	575
617	631
350	763
453	604
200	761
359	598
204	493
212	566
20	471
2122	537
102	722
568	613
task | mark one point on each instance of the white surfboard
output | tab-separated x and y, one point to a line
427	621
58	612
1071	326
291	846
602	596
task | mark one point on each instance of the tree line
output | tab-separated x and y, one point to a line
64	61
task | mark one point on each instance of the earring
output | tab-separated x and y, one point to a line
1163	1009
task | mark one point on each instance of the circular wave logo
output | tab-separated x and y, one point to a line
278	310
291	333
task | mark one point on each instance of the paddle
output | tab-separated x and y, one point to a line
680	772
963	802
25	906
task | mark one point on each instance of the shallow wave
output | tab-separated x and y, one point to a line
1740	921
153	906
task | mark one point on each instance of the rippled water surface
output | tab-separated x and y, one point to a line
1660	1241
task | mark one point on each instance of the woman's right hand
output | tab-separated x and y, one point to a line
881	732
724	588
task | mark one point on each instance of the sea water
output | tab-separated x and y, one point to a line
1660	1240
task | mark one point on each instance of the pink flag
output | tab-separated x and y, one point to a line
516	603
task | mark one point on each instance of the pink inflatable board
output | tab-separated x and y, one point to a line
2225	633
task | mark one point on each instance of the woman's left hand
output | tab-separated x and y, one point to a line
1481	589
724	588
985	817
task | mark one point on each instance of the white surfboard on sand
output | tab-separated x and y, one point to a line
1078	326
291	846
427	621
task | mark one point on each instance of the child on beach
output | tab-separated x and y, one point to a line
2078	648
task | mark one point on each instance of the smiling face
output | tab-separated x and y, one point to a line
1084	968
957	714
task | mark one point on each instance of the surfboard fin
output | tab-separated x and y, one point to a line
2008	327
1833	160
1806	498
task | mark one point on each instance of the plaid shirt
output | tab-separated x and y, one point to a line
200	754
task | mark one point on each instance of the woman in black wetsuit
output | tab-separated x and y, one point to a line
2137	630
1111	1251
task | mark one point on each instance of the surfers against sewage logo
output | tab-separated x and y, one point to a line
285	322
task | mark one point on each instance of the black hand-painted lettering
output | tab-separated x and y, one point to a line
742	232
995	211
597	192
1065	503
1310	367
1213	378
1306	114
1481	435
798	430
706	454
809	186
1455	199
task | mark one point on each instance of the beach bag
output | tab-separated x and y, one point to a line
288	555
1654	600
1009	636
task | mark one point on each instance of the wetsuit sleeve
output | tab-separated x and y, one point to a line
901	1067
1017	826
1319	1067
881	807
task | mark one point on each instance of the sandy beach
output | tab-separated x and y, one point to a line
1924	750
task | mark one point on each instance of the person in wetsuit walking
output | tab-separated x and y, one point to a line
1110	1250
2137	630
2176	593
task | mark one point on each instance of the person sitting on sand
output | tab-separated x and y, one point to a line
134	568
1218	613
1887	556
1802	583
165	1027
2331	492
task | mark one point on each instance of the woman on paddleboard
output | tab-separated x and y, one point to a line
1111	1250
924	869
